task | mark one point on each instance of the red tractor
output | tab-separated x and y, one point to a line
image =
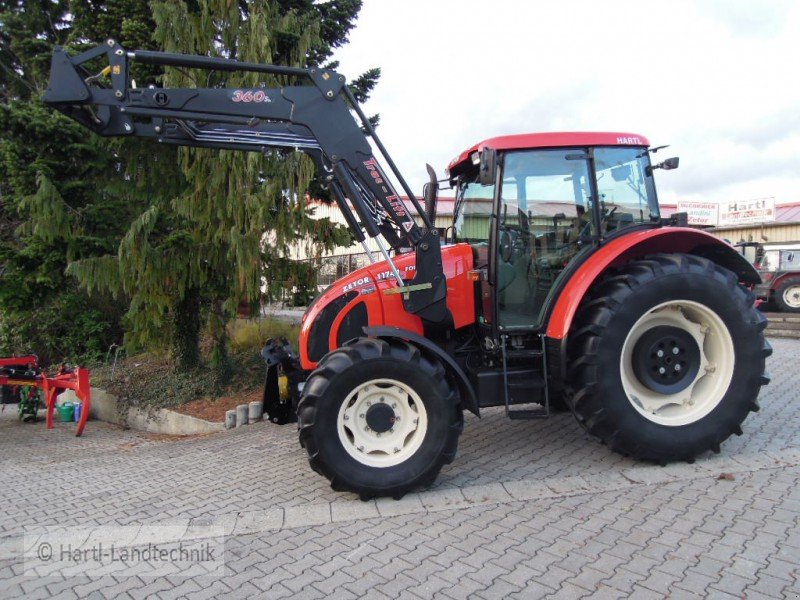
778	264
558	285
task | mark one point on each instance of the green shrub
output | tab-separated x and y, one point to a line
66	328
250	335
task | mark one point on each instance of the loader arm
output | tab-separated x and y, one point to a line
315	118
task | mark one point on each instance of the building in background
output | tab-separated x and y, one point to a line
344	259
759	220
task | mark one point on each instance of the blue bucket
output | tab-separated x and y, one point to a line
77	411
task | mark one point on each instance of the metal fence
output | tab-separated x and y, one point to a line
331	268
328	269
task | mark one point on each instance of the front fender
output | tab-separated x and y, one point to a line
468	398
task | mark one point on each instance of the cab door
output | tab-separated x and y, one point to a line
544	216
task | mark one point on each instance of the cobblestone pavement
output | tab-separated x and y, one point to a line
527	510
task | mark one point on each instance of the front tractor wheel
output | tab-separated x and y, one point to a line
667	358
379	418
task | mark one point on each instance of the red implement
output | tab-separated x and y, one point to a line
64	379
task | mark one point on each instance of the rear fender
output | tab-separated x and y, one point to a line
468	398
633	246
781	279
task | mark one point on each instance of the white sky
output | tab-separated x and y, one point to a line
719	80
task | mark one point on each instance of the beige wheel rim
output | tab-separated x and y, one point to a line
791	296
708	387
375	448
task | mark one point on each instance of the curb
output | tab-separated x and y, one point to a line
105	407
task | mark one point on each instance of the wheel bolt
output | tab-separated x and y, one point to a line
396	450
662	370
394	404
660	353
675	350
396	419
361	415
416	421
382	400
346	418
361	448
677	367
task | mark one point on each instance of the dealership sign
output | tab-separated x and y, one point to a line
749	211
700	213
727	214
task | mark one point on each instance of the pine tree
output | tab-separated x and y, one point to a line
52	205
172	238
199	252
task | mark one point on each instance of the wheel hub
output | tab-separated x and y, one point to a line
666	359
380	417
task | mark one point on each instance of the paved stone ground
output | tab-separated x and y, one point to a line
527	510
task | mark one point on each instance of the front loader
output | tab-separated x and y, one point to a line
558	285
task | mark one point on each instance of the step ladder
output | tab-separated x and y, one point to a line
524	414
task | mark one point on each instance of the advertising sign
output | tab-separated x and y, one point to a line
700	213
748	211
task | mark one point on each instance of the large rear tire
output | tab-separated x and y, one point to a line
379	418
666	358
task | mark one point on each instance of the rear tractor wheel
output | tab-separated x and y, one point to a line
787	296
667	358
379	418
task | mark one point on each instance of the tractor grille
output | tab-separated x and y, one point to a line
352	324
321	327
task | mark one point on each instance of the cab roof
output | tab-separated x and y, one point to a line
551	140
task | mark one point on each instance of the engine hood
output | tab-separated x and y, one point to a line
358	300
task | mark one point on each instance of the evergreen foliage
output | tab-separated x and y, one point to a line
172	238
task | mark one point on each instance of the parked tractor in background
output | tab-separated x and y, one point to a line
778	264
558	284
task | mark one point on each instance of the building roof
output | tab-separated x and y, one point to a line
788	213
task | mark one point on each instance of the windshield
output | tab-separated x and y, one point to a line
770	260
472	212
627	193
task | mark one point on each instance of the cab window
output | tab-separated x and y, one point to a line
627	192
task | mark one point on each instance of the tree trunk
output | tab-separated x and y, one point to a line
187	330
220	361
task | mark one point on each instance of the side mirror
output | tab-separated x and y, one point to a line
487	171
430	193
667	165
670	163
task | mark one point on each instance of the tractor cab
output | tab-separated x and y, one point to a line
533	205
